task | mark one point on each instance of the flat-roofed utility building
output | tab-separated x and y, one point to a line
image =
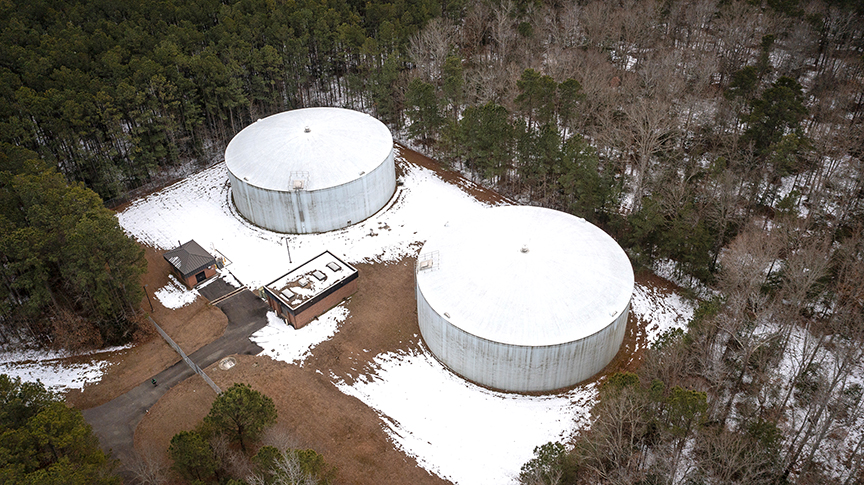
191	263
311	289
311	170
523	298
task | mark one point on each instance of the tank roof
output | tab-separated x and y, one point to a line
309	149
525	276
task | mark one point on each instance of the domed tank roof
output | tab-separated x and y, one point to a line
324	147
525	276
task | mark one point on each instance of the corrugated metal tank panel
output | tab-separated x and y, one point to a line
303	212
514	367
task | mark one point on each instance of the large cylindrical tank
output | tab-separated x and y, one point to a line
311	170
523	298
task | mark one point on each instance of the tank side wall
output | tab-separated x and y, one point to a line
266	208
518	368
350	203
238	195
301	212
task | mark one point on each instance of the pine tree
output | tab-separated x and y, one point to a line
44	441
193	456
241	413
421	107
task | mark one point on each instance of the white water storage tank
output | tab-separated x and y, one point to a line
311	170
523	298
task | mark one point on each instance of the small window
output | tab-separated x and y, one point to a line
319	275
334	267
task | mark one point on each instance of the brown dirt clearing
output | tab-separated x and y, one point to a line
192	327
313	413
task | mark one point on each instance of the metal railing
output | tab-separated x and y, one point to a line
192	365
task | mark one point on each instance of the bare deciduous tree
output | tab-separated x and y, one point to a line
429	48
149	467
612	449
638	29
738	29
503	33
728	457
288	471
235	462
649	124
690	23
599	24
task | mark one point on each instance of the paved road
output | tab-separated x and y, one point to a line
216	289
115	422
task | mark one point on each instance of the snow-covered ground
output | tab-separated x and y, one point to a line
457	430
668	269
462	432
659	310
50	368
175	295
824	357
199	208
282	342
471	435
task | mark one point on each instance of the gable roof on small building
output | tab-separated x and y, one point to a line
189	258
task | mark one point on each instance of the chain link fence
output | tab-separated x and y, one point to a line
192	365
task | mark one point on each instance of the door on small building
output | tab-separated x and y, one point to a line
200	277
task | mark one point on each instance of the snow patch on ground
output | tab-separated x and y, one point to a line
668	270
281	341
660	310
175	295
200	208
229	278
20	355
787	184
803	348
465	433
459	431
51	368
57	376
471	435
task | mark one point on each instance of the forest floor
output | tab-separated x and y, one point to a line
351	434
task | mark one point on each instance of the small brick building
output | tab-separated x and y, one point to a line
311	289
191	263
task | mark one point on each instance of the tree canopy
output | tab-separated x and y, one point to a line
241	413
290	467
44	441
65	256
113	93
193	456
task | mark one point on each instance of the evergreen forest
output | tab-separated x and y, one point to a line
42	440
721	142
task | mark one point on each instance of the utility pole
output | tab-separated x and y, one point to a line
148	298
289	251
